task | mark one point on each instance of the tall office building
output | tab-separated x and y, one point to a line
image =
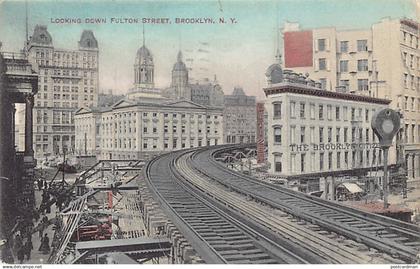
382	62
68	79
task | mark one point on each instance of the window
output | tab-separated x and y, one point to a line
337	113
302	110
405	80
329	112
337	134
346	159
277	135
329	160
321	135
353	113
344	46
277	163
145	145
362	65
321	112
344	66
323	82
338	160
353	134
165	128
322	64
292	134
292	109
329	134
345	113
312	161
277	110
367	135
145	130
321	161
312	110
302	162
293	163
302	135
362	45
321	44
367	115
345	134
312	134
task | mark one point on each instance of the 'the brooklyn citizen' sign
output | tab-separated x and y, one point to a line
333	146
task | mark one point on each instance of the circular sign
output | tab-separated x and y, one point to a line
387	126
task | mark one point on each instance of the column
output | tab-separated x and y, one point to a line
29	125
409	165
417	165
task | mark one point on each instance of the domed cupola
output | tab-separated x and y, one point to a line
180	79
274	72
144	56
144	68
179	65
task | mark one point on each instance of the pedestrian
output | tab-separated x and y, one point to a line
41	227
45	245
40	184
28	247
21	254
36	215
45	185
17	243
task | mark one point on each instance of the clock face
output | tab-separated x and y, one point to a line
387	126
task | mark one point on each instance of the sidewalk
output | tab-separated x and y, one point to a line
36	256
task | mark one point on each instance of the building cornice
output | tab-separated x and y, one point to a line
323	93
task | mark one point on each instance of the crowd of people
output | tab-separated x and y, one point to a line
19	244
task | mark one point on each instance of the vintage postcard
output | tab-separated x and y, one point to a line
210	132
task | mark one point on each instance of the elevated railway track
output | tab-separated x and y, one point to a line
232	218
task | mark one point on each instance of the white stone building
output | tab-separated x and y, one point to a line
133	129
382	61
311	130
68	79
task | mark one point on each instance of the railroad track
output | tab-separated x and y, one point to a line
215	235
400	240
318	244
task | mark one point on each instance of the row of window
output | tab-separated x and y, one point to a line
362	65
410	39
361	45
340	113
131	143
335	160
325	135
411	82
409	103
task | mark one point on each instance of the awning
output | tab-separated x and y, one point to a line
352	187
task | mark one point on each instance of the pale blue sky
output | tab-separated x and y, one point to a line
237	53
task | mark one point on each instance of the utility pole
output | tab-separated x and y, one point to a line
64	162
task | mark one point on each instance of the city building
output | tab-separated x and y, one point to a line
147	123
313	133
18	84
207	93
239	117
135	129
68	79
381	62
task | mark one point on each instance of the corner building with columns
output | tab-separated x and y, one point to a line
316	133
